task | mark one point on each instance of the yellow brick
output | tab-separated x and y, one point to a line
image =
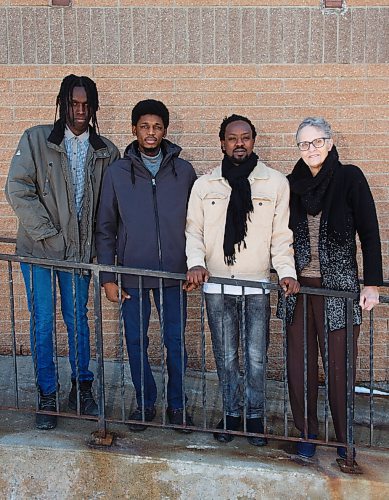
147	85
28	3
285	70
138	3
230	71
60	71
377	70
42	85
256	85
18	71
202	85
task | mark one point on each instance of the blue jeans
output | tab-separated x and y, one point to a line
40	301
174	327
225	319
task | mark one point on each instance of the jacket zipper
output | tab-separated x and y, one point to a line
153	183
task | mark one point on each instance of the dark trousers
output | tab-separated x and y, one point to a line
174	326
337	374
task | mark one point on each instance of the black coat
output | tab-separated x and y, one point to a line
348	209
141	219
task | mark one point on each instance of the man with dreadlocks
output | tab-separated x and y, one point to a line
53	186
237	227
141	224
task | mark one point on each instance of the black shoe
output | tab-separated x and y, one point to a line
176	417
232	424
255	425
304	449
342	452
137	415
88	405
47	403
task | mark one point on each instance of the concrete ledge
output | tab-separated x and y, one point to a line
163	464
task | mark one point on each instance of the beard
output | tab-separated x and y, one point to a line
239	160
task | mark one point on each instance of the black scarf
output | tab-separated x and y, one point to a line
311	190
240	204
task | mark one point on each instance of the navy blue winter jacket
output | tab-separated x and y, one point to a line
141	219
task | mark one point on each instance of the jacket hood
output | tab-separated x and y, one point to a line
169	150
170	153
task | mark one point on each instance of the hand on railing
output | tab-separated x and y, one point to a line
290	286
112	292
369	297
195	277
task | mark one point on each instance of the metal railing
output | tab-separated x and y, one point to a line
109	412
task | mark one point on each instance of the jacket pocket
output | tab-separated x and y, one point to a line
51	248
46	185
262	218
263	213
215	208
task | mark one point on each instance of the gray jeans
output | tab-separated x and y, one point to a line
229	329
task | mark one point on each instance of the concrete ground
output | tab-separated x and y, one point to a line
164	464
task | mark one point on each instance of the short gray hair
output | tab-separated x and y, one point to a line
319	123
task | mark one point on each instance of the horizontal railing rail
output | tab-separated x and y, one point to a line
204	378
145	272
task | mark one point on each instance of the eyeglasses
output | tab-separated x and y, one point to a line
317	143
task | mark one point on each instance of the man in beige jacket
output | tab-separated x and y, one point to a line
237	227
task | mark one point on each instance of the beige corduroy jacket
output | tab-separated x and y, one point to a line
269	239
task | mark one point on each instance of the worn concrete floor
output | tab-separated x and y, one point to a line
163	464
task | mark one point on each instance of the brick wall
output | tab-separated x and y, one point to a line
275	62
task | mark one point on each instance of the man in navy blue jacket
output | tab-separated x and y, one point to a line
141	224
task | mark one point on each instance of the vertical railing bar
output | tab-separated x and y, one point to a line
162	346
264	372
33	331
224	341
326	367
305	328
121	348
350	382
285	354
244	357
182	339
203	359
74	295
101	423
371	370
141	340
13	332
53	282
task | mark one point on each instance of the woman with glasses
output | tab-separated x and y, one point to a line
330	203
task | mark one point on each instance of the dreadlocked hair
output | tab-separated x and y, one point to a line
65	96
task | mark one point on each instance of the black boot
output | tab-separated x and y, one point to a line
47	403
255	425
232	424
137	415
176	417
88	405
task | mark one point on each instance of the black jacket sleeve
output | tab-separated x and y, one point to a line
107	226
366	224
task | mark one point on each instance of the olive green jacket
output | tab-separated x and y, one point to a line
40	190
